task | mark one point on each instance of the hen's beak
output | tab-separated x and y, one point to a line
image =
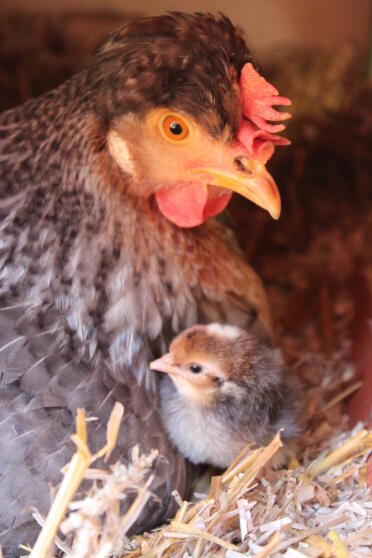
165	364
254	183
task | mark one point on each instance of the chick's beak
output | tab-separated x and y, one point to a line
254	183
165	364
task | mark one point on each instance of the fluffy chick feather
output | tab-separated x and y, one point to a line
226	390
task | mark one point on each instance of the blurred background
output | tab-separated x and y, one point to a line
267	23
316	261
58	36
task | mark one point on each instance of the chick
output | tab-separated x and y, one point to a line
224	390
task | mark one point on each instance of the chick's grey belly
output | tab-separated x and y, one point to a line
197	432
39	394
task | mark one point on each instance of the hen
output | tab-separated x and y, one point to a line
103	183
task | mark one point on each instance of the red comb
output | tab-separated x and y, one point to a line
258	96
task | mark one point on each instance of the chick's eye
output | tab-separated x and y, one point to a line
195	368
174	127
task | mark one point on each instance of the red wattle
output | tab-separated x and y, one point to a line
191	203
216	204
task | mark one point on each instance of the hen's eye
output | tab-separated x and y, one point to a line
196	368
174	127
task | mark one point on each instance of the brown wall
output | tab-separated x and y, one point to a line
267	22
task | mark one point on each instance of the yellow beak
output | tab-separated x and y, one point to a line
255	184
165	364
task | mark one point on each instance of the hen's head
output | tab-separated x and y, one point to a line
185	115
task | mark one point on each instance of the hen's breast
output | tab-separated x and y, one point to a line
73	329
40	392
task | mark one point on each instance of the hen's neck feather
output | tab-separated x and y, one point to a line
76	245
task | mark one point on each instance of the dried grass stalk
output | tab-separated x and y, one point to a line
74	475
